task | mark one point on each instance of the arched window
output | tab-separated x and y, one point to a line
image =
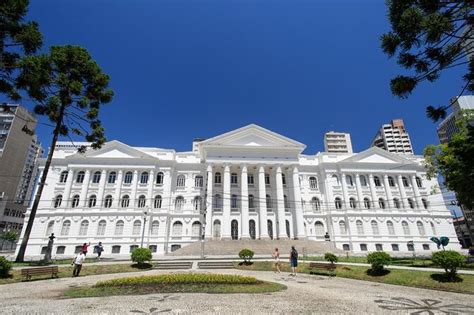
406	228
144	178
125	201
50	228
381	203
155	225
343	227
181	181
335	180
63	177
65	228
196	229
197	203
251	202
319	228
377	181
411	203
390	227
352	203
159	178
233	201
283	179
112	178
287	224
285	202
141	201
217	178
101	227
108	201
58	200
179	203
425	203
349	181
92	201
137	226
233	179
96	177
421	228
216	228
338	203
419	183
268	200
267	179
198	182
83	228
250	180
157	203
80	177
367	203
270	229
405	182
315	204
75	201
119	228
433	228
396	203
391	181
128	178
217	202
360	227
252	229
313	183
375	227
177	228
363	180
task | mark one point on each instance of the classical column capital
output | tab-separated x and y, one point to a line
261	168
243	167
295	169
278	168
357	175
226	167
209	167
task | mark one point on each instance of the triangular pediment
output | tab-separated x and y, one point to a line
113	150
376	155
253	136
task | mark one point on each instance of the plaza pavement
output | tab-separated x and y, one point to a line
305	294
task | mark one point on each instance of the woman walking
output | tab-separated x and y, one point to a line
293	261
276	257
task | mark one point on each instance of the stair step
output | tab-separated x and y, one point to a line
215	265
173	265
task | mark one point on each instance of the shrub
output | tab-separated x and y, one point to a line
246	254
330	257
141	255
378	260
5	267
450	260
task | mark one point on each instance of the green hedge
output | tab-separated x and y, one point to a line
181	278
5	267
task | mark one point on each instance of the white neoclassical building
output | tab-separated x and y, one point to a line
249	183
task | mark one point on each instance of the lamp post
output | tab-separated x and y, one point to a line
145	213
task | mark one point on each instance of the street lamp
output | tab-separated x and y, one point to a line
145	213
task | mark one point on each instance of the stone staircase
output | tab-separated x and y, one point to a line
259	247
215	265
173	264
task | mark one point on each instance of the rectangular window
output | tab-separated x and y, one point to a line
250	179
395	247
363	247
426	246
378	247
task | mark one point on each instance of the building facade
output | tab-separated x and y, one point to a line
250	183
447	128
19	153
337	142
393	137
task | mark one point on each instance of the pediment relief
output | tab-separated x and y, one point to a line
113	150
377	155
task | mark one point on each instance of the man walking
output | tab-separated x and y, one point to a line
77	262
293	260
99	249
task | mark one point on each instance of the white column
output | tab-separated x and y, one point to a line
416	191
344	192
300	231
133	195
360	196
208	201
67	189
245	203
280	205
262	203
151	182
402	191
388	191
118	188
372	190
84	189
167	178
100	194
226	203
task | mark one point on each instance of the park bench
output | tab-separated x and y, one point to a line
325	266
28	272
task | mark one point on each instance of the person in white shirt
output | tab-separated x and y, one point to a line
276	257
77	262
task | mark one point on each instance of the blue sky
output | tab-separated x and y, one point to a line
186	69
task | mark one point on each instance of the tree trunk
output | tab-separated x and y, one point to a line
29	226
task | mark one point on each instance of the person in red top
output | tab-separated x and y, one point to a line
84	248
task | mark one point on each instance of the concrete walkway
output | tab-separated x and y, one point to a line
305	294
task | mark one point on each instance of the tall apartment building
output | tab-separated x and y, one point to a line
447	128
19	153
337	142
393	137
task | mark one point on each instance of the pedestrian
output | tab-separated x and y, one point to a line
276	257
77	262
293	260
85	246
99	249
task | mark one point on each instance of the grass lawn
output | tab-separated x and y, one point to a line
410	278
53	262
182	283
65	272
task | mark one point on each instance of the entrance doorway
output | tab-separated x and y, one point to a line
270	229
234	229
252	229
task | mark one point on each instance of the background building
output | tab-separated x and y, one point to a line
448	127
19	152
393	137
337	142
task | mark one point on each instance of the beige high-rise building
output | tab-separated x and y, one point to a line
337	142
393	137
